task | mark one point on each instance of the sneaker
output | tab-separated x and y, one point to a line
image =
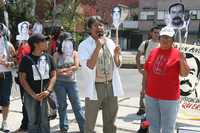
140	112
4	127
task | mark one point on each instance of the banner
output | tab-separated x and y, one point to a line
190	85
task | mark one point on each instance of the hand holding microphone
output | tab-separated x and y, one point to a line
100	41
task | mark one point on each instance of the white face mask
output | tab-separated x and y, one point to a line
67	47
24	29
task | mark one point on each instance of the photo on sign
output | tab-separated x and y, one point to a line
190	83
116	16
176	15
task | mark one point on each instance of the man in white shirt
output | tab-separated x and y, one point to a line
145	49
100	59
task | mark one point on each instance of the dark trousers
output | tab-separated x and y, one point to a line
24	122
142	106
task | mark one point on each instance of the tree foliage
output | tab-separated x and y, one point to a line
68	14
21	10
25	10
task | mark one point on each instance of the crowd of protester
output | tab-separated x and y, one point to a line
44	68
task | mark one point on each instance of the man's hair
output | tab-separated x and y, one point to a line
176	4
155	27
188	56
94	19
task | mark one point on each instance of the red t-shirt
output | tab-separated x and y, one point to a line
163	70
24	49
53	45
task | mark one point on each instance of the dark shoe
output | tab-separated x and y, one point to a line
141	130
64	130
20	130
144	126
140	112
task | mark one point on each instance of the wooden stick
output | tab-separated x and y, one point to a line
117	36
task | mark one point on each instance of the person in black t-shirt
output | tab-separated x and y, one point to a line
37	75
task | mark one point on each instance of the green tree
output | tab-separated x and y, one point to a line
21	10
68	14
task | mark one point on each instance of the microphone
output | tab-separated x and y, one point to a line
100	34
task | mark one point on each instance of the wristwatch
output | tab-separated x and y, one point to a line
49	91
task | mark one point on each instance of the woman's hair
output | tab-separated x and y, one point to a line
65	36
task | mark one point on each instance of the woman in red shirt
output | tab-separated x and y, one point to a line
162	70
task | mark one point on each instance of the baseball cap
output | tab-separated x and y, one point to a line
66	36
168	31
36	38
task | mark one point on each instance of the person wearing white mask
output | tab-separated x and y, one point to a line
37	27
67	61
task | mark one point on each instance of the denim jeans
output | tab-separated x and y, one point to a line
161	114
37	115
70	89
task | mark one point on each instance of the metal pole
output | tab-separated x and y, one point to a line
179	35
5	13
6	18
54	12
117	36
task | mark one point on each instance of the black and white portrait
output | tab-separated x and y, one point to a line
176	15
190	84
43	67
116	16
23	29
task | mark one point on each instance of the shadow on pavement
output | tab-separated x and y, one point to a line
130	118
179	124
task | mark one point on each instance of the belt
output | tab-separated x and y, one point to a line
3	75
105	82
